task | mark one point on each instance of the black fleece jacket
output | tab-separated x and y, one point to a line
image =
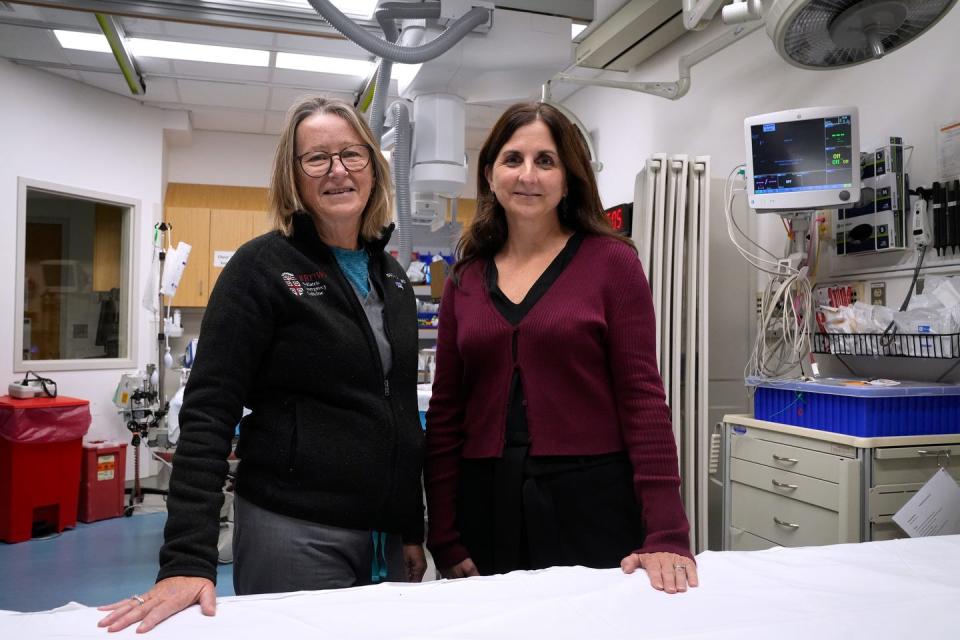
331	439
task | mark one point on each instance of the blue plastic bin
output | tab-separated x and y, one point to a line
854	408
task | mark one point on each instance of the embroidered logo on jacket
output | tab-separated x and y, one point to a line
292	283
397	281
305	284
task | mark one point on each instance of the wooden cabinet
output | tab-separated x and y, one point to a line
213	234
792	486
192	225
215	221
229	229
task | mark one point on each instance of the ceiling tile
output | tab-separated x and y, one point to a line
161	90
226	120
319	46
138	27
223	94
112	82
104	61
155	65
30	44
221	71
81	19
482	115
312	81
274	122
282	98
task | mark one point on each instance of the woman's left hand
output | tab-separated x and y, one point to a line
415	561
667	571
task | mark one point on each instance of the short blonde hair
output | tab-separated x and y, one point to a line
284	199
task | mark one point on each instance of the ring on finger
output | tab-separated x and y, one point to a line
139	600
680	567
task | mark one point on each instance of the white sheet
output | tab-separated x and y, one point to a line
896	589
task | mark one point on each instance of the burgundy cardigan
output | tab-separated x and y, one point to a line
586	353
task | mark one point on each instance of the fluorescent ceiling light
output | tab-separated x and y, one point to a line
323	64
82	41
144	47
147	48
356	8
576	29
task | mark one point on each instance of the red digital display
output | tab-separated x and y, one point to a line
621	218
616	217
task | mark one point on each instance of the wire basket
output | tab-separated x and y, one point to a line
898	345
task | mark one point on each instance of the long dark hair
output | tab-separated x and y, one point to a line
580	210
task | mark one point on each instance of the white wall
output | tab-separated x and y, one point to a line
233	159
62	132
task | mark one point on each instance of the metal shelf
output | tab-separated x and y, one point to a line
895	345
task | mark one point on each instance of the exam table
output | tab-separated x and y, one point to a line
893	589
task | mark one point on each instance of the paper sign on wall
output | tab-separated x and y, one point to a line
948	147
221	258
934	510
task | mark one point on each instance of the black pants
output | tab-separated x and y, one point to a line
525	512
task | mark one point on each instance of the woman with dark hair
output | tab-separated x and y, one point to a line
548	435
313	327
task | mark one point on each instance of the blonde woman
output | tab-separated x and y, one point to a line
313	327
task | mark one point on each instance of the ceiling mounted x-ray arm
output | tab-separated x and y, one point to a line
697	14
675	89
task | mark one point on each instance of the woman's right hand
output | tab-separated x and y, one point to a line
463	569
169	596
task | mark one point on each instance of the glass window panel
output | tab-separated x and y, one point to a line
74	296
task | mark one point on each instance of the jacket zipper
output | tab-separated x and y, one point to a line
372	344
394	453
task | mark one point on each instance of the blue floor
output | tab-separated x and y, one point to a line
92	564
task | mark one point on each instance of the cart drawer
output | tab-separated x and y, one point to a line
741	540
883	502
886	531
903	465
783	456
788	522
786	483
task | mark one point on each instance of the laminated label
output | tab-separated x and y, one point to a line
106	466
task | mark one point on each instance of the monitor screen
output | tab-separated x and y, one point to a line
803	155
803	159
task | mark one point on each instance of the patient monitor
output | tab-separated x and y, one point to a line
803	159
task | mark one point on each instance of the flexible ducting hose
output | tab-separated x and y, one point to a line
402	139
379	102
386	14
396	53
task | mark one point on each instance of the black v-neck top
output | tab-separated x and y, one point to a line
514	312
517	434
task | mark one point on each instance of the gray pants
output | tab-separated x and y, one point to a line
275	554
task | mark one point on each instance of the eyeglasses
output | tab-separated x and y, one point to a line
319	164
